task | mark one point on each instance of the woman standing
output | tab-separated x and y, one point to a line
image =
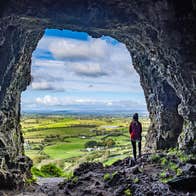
135	130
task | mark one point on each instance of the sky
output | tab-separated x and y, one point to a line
73	71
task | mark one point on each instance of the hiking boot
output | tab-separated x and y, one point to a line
134	160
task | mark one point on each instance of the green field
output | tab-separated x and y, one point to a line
63	140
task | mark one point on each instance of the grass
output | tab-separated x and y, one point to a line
155	158
128	192
107	176
30	181
61	140
49	170
57	131
64	150
136	180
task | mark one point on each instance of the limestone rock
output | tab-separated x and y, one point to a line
184	183
160	35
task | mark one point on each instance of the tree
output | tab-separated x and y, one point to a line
109	142
91	144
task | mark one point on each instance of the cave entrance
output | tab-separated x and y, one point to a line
152	33
83	94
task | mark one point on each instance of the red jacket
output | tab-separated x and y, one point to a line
135	130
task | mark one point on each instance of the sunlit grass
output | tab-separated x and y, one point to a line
57	131
62	139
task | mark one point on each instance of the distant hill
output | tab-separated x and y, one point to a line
116	113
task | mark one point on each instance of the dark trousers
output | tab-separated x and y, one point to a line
134	148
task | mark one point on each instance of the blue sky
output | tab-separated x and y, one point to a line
71	70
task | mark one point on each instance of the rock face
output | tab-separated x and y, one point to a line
160	35
123	178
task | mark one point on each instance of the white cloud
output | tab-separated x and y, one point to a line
42	86
89	54
80	64
64	102
47	64
47	100
66	49
91	67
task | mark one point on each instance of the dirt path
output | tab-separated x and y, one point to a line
49	181
44	187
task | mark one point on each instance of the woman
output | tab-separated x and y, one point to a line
135	130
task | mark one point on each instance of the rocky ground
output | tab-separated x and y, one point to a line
153	174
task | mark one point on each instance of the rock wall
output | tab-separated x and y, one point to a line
160	35
16	45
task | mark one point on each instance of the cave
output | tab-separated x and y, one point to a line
160	36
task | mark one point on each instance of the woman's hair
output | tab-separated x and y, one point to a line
135	117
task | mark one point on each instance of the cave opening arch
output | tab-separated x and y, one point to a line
164	131
47	67
154	36
64	56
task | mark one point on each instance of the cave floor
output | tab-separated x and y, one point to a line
151	175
